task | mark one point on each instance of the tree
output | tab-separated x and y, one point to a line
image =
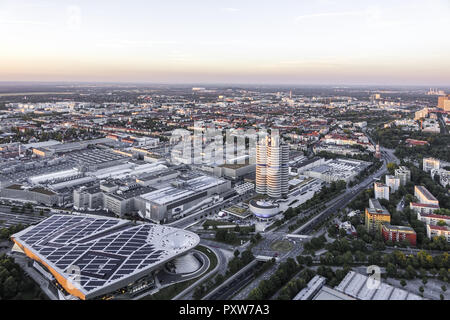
219	279
444	288
410	272
10	287
403	282
391	270
391	166
237	253
441	223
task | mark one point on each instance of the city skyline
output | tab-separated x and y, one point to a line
288	43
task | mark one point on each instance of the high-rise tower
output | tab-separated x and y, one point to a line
272	171
261	166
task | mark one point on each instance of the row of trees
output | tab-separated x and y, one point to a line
315	244
267	288
14	284
6	233
294	286
224	235
437	148
234	265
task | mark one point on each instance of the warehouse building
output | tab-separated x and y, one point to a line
337	169
122	201
362	287
180	197
39	195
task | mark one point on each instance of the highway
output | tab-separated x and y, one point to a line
340	201
224	290
222	263
332	206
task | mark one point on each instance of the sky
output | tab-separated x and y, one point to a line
399	42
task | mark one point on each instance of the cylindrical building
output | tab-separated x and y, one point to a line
261	167
272	171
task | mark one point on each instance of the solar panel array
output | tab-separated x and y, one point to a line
103	249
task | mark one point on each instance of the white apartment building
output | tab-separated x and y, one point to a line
393	183
430	164
404	174
381	191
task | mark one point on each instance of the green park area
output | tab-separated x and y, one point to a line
281	245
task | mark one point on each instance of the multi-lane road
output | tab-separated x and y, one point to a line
341	201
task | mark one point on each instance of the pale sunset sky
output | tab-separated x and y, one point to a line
402	42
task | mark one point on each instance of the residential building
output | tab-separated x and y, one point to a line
393	183
423	207
433	219
430	164
404	174
444	103
424	195
438	231
375	216
381	191
398	233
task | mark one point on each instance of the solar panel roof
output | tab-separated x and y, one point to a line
108	252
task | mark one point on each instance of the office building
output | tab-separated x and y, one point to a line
272	171
89	198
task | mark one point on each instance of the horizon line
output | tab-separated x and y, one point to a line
212	83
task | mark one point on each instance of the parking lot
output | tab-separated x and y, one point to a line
8	219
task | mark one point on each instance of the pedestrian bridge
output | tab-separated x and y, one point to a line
297	236
265	258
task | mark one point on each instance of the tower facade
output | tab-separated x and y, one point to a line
261	167
272	171
377	151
